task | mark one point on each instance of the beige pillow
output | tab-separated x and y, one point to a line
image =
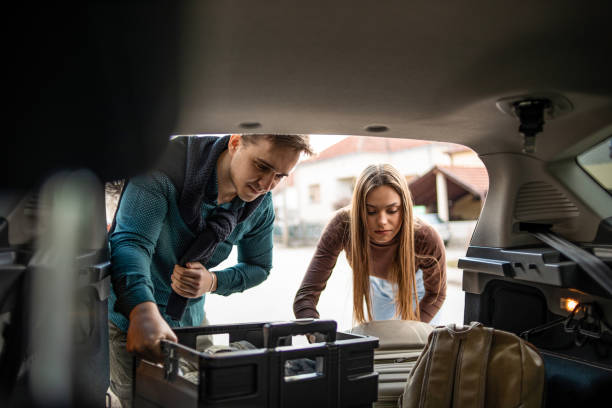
396	334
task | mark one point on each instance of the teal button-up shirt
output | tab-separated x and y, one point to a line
150	237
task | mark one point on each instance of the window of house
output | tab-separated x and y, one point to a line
344	192
314	193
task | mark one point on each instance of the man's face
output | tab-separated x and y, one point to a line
257	167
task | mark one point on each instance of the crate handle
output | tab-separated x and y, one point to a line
173	352
272	332
170	363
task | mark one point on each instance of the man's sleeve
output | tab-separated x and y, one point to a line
140	215
254	255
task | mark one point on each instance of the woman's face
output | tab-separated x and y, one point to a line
383	213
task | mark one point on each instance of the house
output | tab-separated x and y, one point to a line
463	187
320	185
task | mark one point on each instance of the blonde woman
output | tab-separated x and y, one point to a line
398	261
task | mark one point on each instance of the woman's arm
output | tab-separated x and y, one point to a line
323	261
431	259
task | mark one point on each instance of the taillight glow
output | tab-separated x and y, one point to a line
568	304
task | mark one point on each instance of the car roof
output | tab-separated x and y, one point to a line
110	98
136	74
424	71
421	69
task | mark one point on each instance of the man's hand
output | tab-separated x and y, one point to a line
147	328
193	281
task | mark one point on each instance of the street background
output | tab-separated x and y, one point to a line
273	299
319	185
323	183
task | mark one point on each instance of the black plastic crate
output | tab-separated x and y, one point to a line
344	374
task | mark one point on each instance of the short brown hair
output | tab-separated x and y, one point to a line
300	143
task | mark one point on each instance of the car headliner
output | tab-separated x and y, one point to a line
423	69
109	98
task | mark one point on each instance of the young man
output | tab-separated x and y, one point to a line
179	221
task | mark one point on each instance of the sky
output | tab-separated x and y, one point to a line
322	142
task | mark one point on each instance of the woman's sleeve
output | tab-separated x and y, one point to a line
431	259
323	261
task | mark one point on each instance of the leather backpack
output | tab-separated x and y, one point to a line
475	366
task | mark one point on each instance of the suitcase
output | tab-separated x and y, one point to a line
400	345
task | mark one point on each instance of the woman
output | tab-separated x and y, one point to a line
392	254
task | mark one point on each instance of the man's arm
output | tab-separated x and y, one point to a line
139	220
254	256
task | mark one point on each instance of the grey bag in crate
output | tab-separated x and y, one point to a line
400	344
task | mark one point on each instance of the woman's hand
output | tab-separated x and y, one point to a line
193	281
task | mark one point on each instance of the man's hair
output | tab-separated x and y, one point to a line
300	143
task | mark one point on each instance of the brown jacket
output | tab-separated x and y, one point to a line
336	238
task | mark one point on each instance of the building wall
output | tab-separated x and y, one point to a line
331	176
467	158
466	208
336	175
419	160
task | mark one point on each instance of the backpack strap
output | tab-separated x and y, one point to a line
437	390
173	159
173	162
472	362
461	356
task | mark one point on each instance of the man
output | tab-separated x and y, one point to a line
179	221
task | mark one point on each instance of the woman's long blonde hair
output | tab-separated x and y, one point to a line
402	272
